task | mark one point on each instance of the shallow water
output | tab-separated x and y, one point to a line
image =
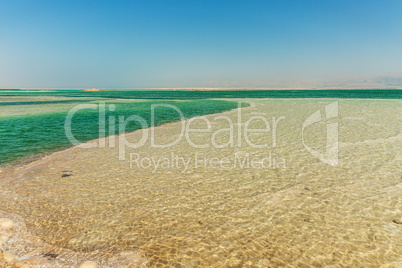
302	212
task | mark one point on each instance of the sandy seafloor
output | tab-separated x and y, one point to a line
87	205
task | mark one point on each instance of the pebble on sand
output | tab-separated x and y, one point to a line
397	221
6	224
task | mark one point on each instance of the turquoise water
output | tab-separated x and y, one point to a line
22	136
30	134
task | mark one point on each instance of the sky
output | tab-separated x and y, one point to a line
205	43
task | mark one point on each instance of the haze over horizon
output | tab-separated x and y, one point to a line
196	44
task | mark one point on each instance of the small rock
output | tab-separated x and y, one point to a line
88	264
50	255
397	221
6	224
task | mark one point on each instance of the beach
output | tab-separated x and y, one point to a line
200	134
219	198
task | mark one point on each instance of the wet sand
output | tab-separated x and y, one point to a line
86	204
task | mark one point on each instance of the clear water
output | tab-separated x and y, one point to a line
304	214
40	131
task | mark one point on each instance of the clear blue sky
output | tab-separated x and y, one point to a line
137	44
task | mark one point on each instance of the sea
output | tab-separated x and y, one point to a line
32	122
